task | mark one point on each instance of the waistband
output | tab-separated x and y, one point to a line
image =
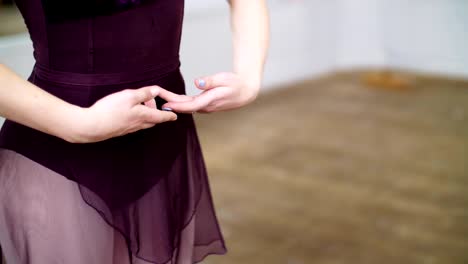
91	79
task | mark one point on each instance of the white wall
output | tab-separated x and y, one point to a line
303	40
359	34
426	35
423	35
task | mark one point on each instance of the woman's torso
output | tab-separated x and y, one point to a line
103	36
90	49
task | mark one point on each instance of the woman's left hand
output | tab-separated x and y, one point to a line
222	91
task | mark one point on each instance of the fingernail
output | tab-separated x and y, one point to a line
201	82
167	109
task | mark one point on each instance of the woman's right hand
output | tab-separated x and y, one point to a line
119	114
115	115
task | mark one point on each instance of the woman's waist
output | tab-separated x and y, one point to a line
110	75
84	89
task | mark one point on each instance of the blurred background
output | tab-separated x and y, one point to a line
356	151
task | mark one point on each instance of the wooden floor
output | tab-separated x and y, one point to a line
331	171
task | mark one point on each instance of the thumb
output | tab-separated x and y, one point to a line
209	82
145	94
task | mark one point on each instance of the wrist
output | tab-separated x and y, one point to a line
76	128
252	85
252	78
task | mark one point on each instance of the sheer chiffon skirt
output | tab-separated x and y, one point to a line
139	198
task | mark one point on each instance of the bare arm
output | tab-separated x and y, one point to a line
114	115
230	90
250	36
29	105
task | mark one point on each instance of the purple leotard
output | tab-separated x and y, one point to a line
139	198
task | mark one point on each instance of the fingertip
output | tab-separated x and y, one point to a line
201	83
171	116
154	90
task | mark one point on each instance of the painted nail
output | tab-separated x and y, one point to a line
201	82
167	109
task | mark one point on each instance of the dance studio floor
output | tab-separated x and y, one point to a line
331	171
